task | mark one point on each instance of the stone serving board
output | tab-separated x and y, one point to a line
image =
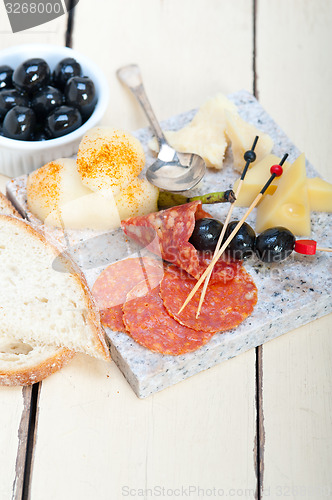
290	294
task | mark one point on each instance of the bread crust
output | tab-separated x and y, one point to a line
6	204
32	375
92	314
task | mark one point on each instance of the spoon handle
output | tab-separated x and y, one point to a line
131	76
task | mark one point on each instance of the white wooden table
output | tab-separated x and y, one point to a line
258	426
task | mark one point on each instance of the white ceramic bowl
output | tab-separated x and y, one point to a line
21	157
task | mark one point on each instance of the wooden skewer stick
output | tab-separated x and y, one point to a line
322	249
250	157
221	237
276	171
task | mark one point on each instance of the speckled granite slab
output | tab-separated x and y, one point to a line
290	294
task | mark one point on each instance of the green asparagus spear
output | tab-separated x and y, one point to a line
167	199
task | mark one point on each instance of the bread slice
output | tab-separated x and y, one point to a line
6	207
26	364
41	306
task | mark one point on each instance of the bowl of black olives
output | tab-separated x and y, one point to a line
49	97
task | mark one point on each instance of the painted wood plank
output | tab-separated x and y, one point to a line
93	432
101	440
14	422
297	402
187	51
51	32
294	82
295	72
15	402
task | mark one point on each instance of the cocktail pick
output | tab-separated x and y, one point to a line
276	171
249	156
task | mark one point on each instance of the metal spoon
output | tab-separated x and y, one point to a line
172	171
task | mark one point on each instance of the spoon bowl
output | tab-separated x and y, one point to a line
172	171
179	175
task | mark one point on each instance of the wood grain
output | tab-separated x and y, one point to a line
187	51
294	40
101	439
14	422
297	402
294	49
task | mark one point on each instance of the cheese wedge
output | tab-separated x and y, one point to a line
289	205
319	191
242	134
216	123
205	134
320	194
255	179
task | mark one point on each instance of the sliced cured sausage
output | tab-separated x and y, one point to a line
225	305
113	284
166	233
149	324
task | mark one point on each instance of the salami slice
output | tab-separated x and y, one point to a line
113	284
149	324
167	233
223	270
225	305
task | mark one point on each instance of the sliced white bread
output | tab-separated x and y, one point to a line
39	305
6	207
26	364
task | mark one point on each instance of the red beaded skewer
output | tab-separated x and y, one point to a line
276	171
250	157
309	247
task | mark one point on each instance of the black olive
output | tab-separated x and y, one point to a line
6	73
80	92
19	123
46	100
206	234
62	121
31	75
243	244
10	98
64	70
275	244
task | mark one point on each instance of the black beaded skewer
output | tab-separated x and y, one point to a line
276	171
250	157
